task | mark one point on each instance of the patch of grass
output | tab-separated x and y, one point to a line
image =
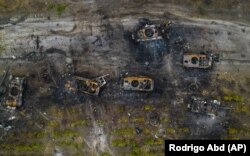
138	119
231	138
124	143
238	133
100	122
8	6
78	123
123	119
242	108
165	119
136	150
120	142
146	131
121	109
148	108
233	98
105	154
232	131
183	130
124	132
36	134
29	147
22	147
170	131
152	141
2	49
55	112
53	124
58	8
226	91
66	133
5	146
71	144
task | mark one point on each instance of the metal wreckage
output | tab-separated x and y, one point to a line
14	93
145	32
138	83
203	60
86	86
200	105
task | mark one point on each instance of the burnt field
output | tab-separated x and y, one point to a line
49	50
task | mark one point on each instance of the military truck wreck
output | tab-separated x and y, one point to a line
14	97
84	85
202	106
138	83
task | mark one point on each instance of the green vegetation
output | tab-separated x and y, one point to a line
100	122
138	119
243	108
232	131
148	108
233	98
105	154
58	8
136	150
121	109
66	133
170	131
165	119
36	134
78	123
2	49
146	131
71	144
22	147
120	142
123	119
124	132
237	133
53	124
153	141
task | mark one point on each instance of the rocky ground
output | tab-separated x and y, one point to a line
48	41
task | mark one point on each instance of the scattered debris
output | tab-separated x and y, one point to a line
138	130
57	152
193	86
206	107
138	83
160	133
12	118
154	119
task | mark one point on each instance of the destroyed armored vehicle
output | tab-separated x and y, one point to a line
147	31
14	97
205	107
193	60
203	60
138	83
86	86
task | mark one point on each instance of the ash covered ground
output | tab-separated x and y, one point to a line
49	42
